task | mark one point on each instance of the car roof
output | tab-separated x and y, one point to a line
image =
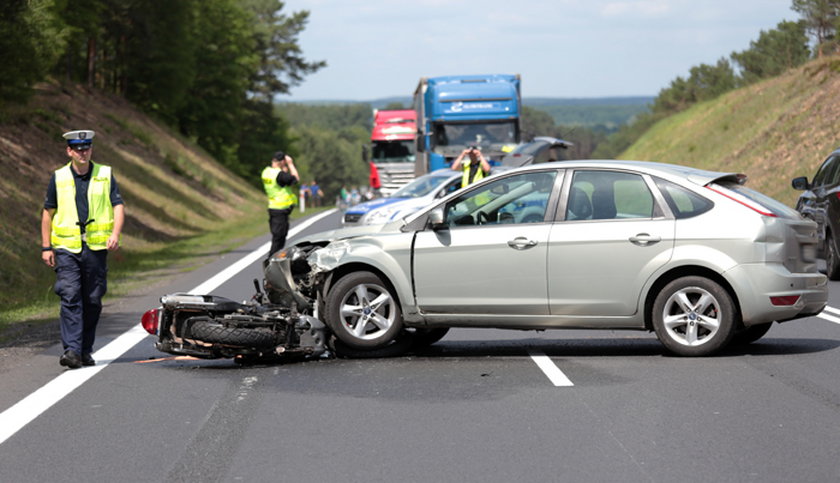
443	172
698	176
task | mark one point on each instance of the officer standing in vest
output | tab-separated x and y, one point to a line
278	181
82	220
476	169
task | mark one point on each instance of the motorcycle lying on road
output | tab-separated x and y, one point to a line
278	324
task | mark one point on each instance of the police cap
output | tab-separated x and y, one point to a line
79	139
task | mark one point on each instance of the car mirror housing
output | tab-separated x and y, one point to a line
800	183
436	221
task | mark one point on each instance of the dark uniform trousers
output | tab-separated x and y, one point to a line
81	283
278	223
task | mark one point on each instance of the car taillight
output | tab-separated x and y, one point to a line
784	300
150	321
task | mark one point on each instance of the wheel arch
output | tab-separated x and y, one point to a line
685	271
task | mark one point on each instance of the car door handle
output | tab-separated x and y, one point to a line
645	239
522	243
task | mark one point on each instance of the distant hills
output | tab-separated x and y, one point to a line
606	112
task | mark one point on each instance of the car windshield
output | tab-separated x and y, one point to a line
420	187
479	133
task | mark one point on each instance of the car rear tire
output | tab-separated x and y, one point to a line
362	312
750	334
832	259
693	316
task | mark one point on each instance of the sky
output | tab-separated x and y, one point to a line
561	48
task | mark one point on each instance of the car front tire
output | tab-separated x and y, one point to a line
362	312
693	316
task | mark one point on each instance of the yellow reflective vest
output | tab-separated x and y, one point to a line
66	232
279	197
465	179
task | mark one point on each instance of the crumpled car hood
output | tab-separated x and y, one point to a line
350	232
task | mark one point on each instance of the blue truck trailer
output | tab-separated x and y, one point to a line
454	112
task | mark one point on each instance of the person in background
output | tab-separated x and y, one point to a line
374	181
82	220
315	190
476	169
343	197
278	181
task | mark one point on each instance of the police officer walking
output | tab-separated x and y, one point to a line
278	180
82	220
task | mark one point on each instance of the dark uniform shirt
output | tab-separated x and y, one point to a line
82	181
474	167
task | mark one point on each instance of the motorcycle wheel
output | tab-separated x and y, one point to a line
214	332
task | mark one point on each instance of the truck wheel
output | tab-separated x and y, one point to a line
362	312
211	331
693	316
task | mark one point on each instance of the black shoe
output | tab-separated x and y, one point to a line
70	359
87	360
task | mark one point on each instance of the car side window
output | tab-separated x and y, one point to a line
835	171
683	203
608	195
826	172
522	198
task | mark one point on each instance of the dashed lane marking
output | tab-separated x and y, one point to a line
830	314
554	374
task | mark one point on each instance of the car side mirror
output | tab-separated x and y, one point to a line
800	183
436	221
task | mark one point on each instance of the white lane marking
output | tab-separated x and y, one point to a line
832	310
555	375
830	317
32	406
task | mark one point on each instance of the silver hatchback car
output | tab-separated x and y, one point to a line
692	255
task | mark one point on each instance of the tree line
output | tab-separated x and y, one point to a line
211	69
208	68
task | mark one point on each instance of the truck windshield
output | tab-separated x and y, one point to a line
475	133
393	152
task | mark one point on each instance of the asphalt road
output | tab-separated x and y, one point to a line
480	405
